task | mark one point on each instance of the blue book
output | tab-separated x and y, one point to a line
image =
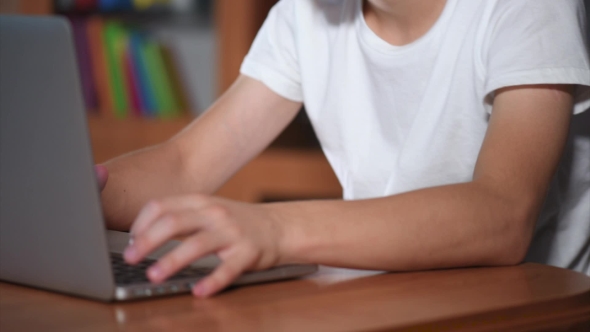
141	68
115	5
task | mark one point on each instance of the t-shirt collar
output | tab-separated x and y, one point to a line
370	38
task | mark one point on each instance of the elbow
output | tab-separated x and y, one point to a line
514	235
513	255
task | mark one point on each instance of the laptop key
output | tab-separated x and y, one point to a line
126	274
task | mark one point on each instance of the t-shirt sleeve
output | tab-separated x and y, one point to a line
538	42
272	59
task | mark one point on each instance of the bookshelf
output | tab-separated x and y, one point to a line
237	23
27	7
280	173
113	137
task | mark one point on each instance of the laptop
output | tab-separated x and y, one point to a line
52	233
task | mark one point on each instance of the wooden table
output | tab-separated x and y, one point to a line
519	298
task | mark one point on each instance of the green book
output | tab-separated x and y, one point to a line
160	81
178	88
115	44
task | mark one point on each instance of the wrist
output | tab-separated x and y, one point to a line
287	230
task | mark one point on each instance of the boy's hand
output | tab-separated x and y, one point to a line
244	237
102	175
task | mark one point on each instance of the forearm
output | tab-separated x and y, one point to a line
488	221
186	164
455	225
200	158
138	177
183	165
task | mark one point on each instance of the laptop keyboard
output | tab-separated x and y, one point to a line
126	274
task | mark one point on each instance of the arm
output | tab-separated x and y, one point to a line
487	221
241	123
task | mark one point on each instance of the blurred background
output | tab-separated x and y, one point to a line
149	67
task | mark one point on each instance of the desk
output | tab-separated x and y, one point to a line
525	297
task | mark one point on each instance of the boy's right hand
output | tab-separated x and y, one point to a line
102	175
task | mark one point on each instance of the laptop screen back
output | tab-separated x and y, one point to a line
51	228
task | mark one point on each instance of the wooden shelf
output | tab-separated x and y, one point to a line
276	174
113	137
284	174
236	23
26	7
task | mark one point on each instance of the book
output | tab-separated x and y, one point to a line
145	4
142	4
84	63
68	6
115	46
132	84
85	5
125	72
95	28
160	81
178	83
115	5
147	96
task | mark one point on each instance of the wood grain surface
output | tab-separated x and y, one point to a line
520	298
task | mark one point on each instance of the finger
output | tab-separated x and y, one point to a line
161	230
188	251
157	208
223	275
102	175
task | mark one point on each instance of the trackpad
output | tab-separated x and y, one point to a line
117	242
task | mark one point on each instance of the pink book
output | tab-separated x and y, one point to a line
132	83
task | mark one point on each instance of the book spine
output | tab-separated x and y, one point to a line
85	5
67	6
115	5
107	5
99	64
141	71
133	86
176	80
142	4
167	105
153	79
115	46
85	70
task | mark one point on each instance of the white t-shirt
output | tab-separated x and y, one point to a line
391	119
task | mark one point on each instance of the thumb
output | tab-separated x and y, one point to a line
102	175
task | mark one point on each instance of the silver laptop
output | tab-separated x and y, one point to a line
52	233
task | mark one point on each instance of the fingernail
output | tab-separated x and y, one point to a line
131	239
130	253
155	272
200	290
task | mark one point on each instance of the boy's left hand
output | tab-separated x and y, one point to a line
244	237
